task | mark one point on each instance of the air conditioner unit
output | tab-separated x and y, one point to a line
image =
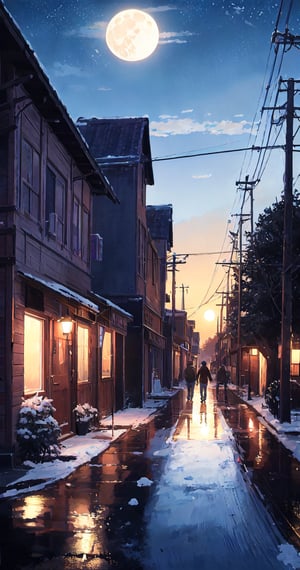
96	247
52	224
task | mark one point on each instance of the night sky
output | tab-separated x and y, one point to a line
203	89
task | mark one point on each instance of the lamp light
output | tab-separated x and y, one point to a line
66	325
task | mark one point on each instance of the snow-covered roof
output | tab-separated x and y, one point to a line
62	290
119	141
113	305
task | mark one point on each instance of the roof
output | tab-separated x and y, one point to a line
31	75
74	296
118	141
62	290
160	222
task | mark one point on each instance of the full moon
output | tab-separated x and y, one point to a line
132	35
209	315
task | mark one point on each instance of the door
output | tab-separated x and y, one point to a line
61	378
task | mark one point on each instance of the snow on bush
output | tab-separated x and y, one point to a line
85	412
37	430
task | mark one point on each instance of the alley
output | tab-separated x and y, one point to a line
168	493
204	513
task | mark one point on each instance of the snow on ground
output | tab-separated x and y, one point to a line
84	448
204	514
287	433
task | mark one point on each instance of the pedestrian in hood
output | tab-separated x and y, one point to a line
203	375
190	378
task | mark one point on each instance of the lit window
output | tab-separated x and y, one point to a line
33	354
106	356
83	353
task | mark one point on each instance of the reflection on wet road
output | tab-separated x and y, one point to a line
272	469
93	519
199	421
98	518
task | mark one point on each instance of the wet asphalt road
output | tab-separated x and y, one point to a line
96	518
271	468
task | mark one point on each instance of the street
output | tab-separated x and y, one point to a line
205	514
170	492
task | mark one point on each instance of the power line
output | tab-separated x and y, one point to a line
212	153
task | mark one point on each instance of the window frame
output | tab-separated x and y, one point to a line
34	354
56	201
30	195
82	353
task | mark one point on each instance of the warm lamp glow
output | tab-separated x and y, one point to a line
66	325
295	356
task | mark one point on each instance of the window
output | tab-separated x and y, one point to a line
83	353
33	354
30	180
76	230
141	250
154	267
56	188
106	355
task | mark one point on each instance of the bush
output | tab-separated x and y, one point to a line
85	413
37	430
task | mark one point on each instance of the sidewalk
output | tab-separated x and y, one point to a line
78	450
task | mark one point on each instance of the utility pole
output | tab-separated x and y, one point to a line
286	307
175	260
220	327
246	186
243	217
184	289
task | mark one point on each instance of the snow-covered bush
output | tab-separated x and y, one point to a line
37	430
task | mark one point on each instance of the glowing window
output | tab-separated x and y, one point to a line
33	354
83	353
106	355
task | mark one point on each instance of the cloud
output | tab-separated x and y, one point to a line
174	37
168	117
161	8
96	30
201	176
187	126
64	70
186	111
103	88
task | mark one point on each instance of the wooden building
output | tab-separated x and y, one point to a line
47	179
130	272
160	226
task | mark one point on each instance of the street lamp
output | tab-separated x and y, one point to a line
66	325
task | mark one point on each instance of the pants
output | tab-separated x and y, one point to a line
203	390
190	388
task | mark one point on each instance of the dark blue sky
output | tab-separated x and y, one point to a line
202	89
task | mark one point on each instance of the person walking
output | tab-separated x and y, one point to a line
203	375
222	379
190	378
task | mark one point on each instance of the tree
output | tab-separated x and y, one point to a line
261	282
